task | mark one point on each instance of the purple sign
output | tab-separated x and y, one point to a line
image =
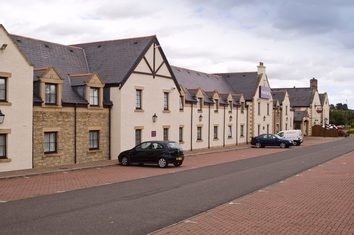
265	92
153	133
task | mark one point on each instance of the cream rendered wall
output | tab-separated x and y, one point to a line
316	116
259	119
325	111
217	119
116	113
18	110
287	116
200	144
152	102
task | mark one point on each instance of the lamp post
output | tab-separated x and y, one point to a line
200	117
154	117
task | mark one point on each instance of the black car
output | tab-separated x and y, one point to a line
161	153
270	140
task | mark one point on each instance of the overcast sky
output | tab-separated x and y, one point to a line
296	39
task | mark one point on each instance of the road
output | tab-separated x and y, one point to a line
145	205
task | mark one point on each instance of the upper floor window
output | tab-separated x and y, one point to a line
50	93
286	110
3	92
229	135
181	134
216	105
259	108
181	103
230	105
94	137
3	146
50	142
200	103
268	109
94	96
165	100
242	107
138	101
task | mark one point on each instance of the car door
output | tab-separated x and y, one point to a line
141	152
156	152
266	140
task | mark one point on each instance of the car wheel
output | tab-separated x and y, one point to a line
258	145
125	161
162	163
176	164
294	143
282	145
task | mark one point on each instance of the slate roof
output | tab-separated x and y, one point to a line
191	79
299	97
299	115
245	83
114	60
65	59
80	79
236	98
278	95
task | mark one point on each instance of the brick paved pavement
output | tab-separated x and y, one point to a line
100	174
317	201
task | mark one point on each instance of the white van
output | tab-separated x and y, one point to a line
294	135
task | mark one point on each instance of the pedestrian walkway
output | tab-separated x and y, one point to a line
317	201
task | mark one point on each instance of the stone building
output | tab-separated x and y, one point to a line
283	114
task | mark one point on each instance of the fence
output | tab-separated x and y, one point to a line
318	130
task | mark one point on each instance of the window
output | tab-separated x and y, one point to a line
165	133
138	104
181	103
259	129
268	109
50	142
94	96
215	132
242	107
242	131
230	106
200	103
286	110
216	105
180	134
286	126
3	92
267	128
137	136
94	137
50	93
230	132
199	133
165	101
259	108
3	146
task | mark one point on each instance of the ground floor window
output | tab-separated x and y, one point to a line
199	133
94	137
215	132
242	131
267	128
50	142
229	135
3	146
165	133
259	129
180	134
137	136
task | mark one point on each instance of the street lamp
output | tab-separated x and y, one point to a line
200	117
2	117
154	117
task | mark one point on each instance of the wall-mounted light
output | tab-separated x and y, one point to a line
200	117
264	118
2	117
3	46
230	118
154	117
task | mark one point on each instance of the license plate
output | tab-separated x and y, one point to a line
178	158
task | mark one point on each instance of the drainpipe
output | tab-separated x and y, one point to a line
75	126
247	125
223	138
192	127
236	125
109	132
33	138
209	129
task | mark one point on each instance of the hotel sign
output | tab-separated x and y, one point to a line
265	92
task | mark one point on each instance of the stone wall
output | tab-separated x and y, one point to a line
62	121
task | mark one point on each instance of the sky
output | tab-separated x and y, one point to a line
296	40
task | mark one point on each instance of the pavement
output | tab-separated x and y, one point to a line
317	201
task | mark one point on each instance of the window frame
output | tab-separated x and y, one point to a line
216	133
93	97
49	95
242	127
138	99
94	143
200	103
259	108
268	106
229	135
5	89
50	133
4	156
138	136
199	133
216	105
242	107
180	134
165	133
166	101
181	103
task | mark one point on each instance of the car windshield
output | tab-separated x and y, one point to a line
174	145
278	136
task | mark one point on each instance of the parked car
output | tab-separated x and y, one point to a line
294	135
270	140
161	153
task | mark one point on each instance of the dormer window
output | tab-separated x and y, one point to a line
51	93
94	94
216	105
181	103
200	103
230	106
3	89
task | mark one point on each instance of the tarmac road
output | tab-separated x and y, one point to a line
145	205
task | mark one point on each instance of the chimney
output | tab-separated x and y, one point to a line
313	84
261	68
